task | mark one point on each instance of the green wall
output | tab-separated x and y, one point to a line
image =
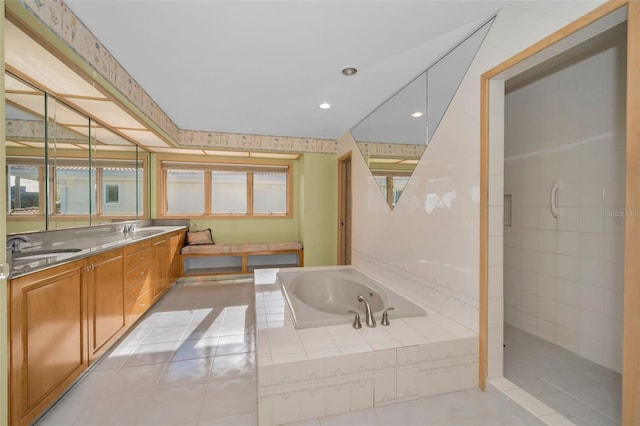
319	209
231	231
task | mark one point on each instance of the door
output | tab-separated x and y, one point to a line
106	299
160	276
344	210
48	347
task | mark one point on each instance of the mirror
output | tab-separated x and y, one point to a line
393	138
92	174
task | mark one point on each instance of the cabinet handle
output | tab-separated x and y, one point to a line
141	272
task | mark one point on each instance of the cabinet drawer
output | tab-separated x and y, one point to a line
141	304
137	274
134	260
132	248
137	290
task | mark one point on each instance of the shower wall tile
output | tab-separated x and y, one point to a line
567	316
564	276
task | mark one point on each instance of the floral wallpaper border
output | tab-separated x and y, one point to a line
196	139
391	150
33	131
64	24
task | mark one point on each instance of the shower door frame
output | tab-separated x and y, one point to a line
492	83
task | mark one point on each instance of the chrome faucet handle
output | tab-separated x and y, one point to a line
356	321
369	319
385	316
13	243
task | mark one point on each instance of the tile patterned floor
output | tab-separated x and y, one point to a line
582	391
191	361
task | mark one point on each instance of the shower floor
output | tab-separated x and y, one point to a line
584	392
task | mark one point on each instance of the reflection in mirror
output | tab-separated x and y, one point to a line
118	177
393	138
94	175
70	176
24	106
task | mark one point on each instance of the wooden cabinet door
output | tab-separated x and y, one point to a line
176	243
160	276
47	326
106	300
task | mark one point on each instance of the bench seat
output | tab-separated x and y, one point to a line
215	259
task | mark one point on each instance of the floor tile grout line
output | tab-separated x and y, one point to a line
570	395
516	337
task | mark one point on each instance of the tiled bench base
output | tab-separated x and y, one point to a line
311	373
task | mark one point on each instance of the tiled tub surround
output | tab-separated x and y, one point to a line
329	297
316	372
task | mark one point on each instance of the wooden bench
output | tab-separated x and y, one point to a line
217	259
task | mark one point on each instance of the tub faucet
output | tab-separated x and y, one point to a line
13	243
369	319
385	316
356	320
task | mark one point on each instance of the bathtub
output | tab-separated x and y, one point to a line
324	297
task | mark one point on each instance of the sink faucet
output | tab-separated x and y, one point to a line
369	319
128	228
13	243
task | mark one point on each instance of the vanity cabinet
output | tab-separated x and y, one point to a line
48	337
105	300
64	317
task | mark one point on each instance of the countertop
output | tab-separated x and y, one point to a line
83	248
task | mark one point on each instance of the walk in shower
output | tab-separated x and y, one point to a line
564	229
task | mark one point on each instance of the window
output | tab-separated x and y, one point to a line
270	193
226	189
74	187
72	184
229	192
24	189
184	191
111	194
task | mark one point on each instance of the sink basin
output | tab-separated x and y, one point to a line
43	254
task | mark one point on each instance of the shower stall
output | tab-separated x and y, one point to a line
564	220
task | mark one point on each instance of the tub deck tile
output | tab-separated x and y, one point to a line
336	369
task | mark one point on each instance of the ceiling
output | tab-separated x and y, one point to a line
29	60
263	67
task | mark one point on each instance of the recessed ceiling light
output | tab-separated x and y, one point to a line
349	71
325	105
416	114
